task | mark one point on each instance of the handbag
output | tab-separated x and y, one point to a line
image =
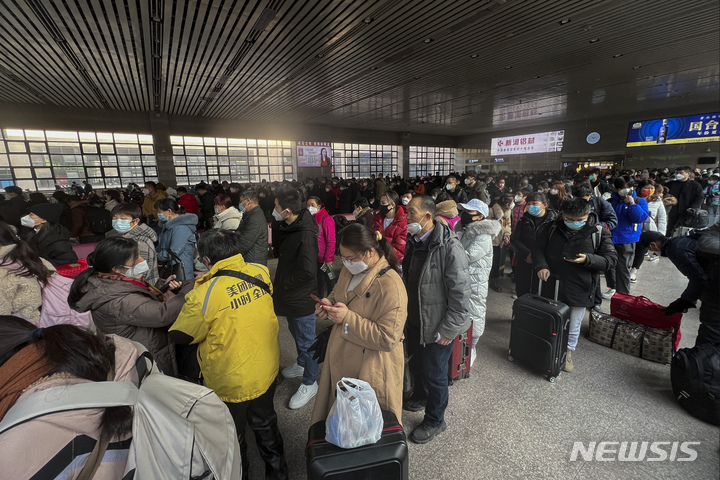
173	267
652	344
643	311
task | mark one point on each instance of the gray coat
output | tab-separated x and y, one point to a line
445	290
132	312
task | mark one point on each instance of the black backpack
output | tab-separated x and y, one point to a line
695	378
694	218
99	220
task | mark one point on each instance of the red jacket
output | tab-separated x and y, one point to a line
395	233
326	237
190	203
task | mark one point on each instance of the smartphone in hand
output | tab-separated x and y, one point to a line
320	300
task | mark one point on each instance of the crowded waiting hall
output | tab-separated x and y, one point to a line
359	240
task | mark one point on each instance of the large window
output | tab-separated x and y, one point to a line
362	160
39	159
431	160
239	160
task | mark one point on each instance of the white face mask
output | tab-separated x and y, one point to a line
680	177
355	267
414	228
449	186
512	205
518	198
624	192
356	213
138	270
313	210
26	221
405	200
277	216
553	191
467	181
145	191
217	210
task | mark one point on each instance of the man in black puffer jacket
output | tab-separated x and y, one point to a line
294	235
575	249
253	229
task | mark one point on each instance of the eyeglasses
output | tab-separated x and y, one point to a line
352	259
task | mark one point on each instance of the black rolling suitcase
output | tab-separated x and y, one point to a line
385	460
539	333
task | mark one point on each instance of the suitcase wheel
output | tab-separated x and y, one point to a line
511	358
551	379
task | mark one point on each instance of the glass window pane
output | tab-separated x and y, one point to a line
27	185
150	171
61	136
147	149
105	137
148	160
110	171
4	160
38	148
43	173
176	140
105	148
181	171
127	149
147	139
22	172
45	184
20	160
177	150
94	172
40	160
11	134
38	135
17	147
108	159
87	136
125	137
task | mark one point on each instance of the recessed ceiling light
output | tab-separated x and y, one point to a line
617	55
508	67
536	76
474	55
416	78
428	40
636	67
368	20
594	40
321	55
564	21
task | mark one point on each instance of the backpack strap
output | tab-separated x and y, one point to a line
597	237
383	271
245	277
70	397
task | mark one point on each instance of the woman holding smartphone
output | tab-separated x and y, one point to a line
368	308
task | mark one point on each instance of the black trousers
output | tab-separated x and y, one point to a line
619	277
325	285
640	252
498	264
526	281
259	413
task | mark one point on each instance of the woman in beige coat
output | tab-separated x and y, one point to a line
369	311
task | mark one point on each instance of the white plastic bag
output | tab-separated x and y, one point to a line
355	418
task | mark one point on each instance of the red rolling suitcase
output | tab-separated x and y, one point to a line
459	366
385	460
539	333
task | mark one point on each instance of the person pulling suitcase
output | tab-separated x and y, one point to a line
575	249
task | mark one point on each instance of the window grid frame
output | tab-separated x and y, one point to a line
429	160
379	159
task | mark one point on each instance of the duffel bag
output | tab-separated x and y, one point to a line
652	344
695	378
643	311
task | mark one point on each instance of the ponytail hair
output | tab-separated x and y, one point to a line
358	238
23	254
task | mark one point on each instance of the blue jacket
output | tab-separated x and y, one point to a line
604	211
630	219
178	235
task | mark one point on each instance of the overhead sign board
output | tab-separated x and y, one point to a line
675	130
314	154
531	143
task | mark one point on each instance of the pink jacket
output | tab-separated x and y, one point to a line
326	236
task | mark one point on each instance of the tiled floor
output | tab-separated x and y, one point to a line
506	422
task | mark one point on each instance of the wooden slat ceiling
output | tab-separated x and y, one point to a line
451	67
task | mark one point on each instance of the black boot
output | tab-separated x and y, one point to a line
494	285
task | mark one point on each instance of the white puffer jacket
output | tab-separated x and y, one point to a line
477	240
657	220
228	219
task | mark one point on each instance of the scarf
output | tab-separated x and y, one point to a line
140	282
22	369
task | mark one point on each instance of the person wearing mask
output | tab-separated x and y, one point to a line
656	222
598	184
419	187
121	302
363	213
207	206
519	208
631	211
326	245
295	243
697	257
437	279
112	199
187	201
36	198
557	194
14	208
406	197
712	199
23	274
330	200
368	308
226	216
391	222
501	211
574	250
80	231
497	190
452	186
601	208
177	235
689	194
476	234
524	237
234	191
226	325
46	236
380	186
253	229
367	191
345	198
126	222
543	187
152	195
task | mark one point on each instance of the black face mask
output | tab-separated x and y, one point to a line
384	209
466	218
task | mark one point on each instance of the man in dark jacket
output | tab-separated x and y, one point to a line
207	206
689	194
253	229
437	279
452	186
295	243
574	249
697	256
15	208
475	188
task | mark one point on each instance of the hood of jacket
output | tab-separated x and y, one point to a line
448	209
305	221
440	235
187	219
229	213
483	227
142	231
99	291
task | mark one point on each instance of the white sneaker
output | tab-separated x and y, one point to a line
608	294
473	356
653	258
303	395
633	275
293	371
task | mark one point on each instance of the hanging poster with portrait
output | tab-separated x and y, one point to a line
314	154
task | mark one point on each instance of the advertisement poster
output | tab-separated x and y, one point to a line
314	154
675	130
531	143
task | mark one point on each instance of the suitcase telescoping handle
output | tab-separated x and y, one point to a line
557	286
